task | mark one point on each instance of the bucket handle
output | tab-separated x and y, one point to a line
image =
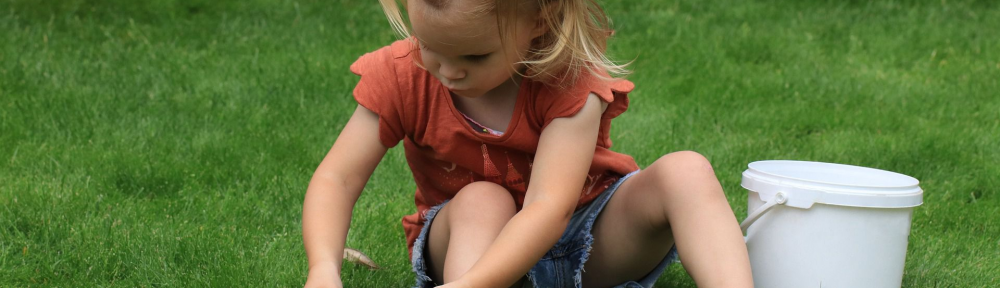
778	198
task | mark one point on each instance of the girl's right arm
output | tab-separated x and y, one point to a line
332	192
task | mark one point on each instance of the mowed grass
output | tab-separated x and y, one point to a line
170	143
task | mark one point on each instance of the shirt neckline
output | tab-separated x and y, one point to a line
511	125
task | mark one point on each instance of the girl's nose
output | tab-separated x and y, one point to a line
451	72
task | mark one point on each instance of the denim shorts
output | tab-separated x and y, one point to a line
562	266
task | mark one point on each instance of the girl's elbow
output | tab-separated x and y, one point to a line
559	211
563	214
567	214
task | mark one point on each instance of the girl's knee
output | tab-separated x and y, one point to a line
484	197
686	173
683	165
685	162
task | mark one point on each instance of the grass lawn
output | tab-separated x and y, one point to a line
170	142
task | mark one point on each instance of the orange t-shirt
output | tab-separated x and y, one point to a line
445	153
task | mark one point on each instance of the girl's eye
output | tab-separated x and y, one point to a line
477	58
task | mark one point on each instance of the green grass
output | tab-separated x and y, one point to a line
170	142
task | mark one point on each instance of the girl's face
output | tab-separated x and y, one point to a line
462	48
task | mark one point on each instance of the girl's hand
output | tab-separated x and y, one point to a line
324	276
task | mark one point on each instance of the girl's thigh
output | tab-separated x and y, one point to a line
631	236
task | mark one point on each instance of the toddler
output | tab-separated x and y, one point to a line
504	109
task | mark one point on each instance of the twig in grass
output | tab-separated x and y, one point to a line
356	257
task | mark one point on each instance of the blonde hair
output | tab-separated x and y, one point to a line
576	38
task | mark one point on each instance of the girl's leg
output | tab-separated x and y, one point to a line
677	198
465	227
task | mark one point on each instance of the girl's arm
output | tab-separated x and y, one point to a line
332	192
562	161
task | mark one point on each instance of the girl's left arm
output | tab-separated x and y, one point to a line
562	161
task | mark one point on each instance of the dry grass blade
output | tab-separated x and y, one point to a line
356	257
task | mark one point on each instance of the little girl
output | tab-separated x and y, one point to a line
504	109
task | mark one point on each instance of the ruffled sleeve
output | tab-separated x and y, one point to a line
558	103
379	91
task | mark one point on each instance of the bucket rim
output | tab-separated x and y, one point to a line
808	182
756	166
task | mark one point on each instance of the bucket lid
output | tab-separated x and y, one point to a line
805	183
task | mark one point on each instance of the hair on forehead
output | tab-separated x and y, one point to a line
483	6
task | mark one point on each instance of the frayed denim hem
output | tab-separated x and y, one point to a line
418	261
588	227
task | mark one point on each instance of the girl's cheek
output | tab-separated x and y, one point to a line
430	62
426	57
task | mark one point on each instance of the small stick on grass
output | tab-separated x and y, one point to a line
356	257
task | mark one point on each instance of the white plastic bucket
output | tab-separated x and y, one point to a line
814	224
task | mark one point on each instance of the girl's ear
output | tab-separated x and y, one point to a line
548	12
